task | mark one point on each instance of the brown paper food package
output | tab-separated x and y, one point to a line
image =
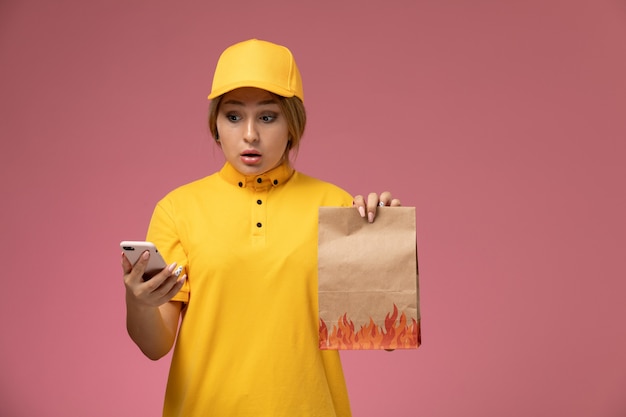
368	279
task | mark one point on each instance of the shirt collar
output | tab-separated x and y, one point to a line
272	178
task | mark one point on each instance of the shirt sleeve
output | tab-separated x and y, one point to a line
163	232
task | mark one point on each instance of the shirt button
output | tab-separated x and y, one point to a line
259	180
259	225
259	202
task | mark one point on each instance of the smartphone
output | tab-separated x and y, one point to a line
133	250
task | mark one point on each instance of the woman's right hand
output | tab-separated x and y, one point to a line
151	320
156	291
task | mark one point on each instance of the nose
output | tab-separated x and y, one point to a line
250	133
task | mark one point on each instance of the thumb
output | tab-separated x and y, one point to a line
137	270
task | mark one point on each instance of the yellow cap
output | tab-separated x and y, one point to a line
257	63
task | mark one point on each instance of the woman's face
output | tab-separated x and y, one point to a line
253	132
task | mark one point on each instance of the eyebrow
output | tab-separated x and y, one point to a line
260	103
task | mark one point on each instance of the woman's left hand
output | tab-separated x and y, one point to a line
367	207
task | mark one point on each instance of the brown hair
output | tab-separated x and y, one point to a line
291	107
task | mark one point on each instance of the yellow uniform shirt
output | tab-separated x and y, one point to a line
248	341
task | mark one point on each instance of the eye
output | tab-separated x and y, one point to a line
233	117
268	118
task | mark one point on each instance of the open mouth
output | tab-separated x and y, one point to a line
250	157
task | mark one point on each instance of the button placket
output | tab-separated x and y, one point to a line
259	213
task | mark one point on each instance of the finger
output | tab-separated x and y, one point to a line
359	203
158	283
395	203
136	271
385	198
372	204
178	284
126	265
170	287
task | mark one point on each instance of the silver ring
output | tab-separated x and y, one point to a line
381	204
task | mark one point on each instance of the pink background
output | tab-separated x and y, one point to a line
502	122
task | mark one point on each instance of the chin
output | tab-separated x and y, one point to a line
251	169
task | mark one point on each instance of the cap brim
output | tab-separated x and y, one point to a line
256	84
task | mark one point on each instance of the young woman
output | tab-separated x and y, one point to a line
243	313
